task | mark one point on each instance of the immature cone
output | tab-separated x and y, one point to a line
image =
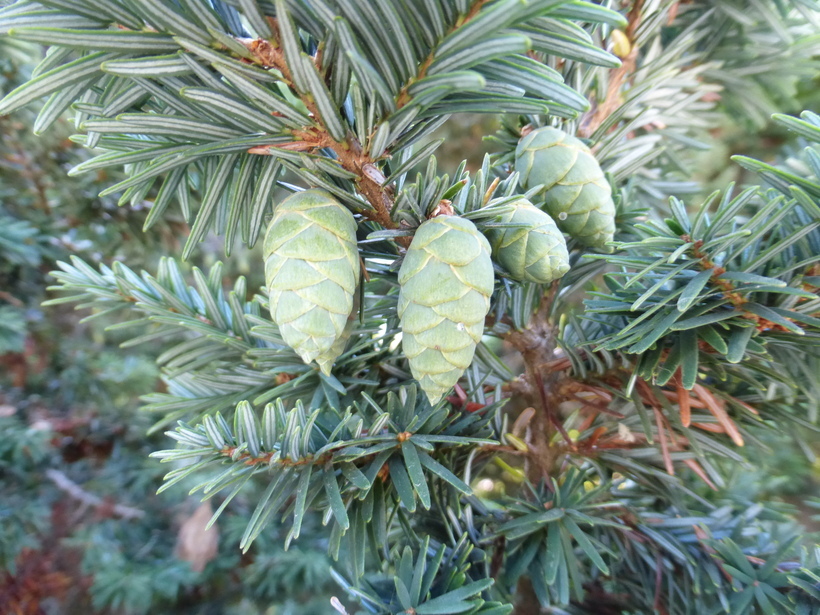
576	193
446	281
312	270
536	252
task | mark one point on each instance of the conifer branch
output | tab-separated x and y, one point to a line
350	154
651	383
404	95
730	289
593	119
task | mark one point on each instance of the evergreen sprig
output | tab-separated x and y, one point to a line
383	79
627	414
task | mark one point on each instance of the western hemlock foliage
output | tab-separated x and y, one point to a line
538	384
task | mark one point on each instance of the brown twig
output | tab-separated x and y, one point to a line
598	114
64	483
349	153
9	298
267	458
30	170
404	95
729	289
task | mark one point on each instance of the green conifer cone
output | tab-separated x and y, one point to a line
576	193
312	269
535	253
446	281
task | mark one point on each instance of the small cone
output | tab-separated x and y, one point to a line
312	270
534	253
576	194
446	281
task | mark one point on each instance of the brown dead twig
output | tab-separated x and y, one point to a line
9	298
65	484
546	384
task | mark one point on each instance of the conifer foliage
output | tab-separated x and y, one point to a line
364	383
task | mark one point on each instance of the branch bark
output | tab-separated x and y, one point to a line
537	387
24	158
404	96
